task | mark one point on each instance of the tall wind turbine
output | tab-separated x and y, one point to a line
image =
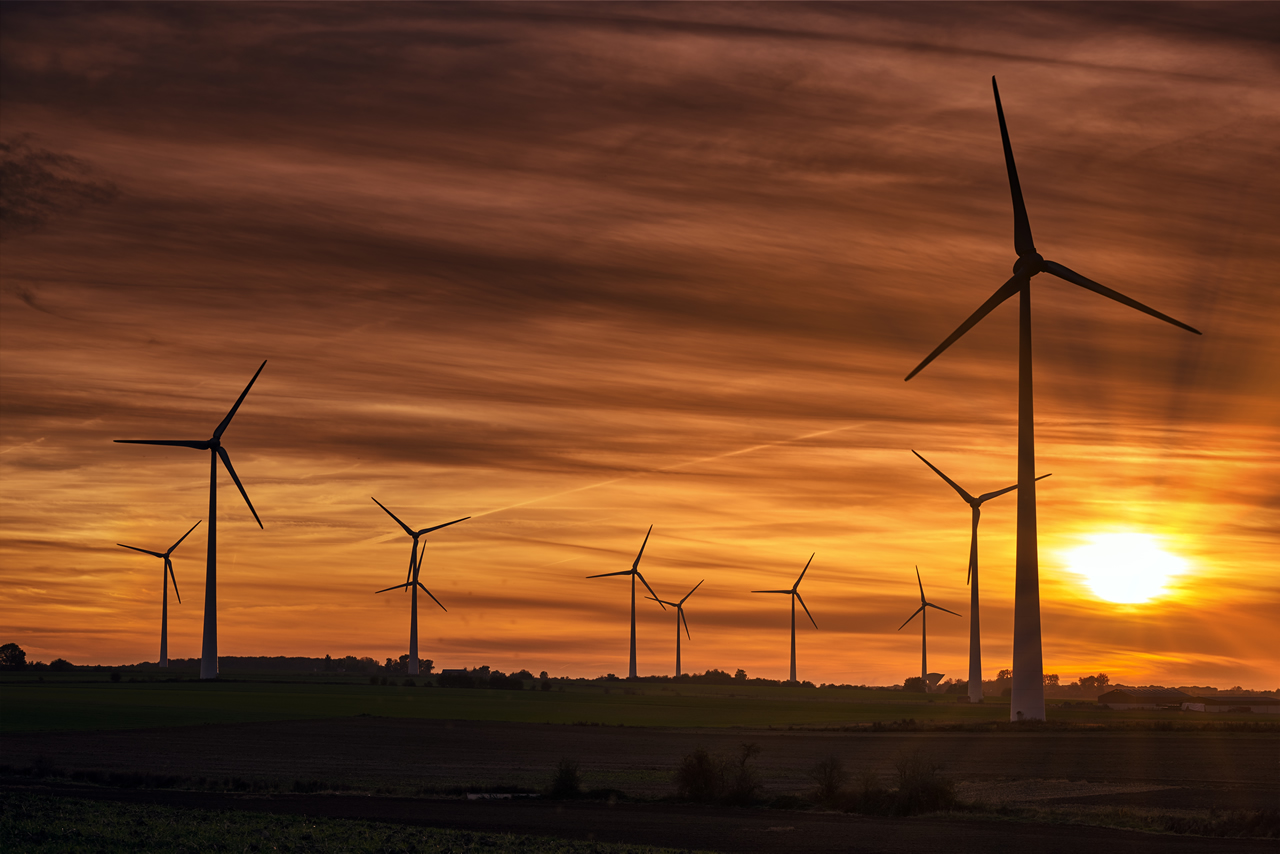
924	631
209	647
794	592
1027	701
634	572
679	606
164	601
412	583
971	578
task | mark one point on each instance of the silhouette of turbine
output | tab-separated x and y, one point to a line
209	647
924	637
164	601
971	578
679	606
634	572
1027	700
412	583
794	592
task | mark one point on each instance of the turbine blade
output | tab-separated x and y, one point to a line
986	496
680	613
177	443
407	529
647	587
1005	291
1075	278
169	566
921	583
912	617
803	571
395	587
806	609
642	545
144	551
445	525
433	598
218	431
663	601
966	496
1022	242
226	461
183	537
940	608
772	591
690	593
609	574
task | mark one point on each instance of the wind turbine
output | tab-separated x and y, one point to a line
209	647
164	601
679	606
971	578
634	572
1027	700
924	637
794	592
412	583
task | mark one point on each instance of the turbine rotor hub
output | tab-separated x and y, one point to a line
1029	265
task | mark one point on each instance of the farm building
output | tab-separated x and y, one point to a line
1233	703
1144	698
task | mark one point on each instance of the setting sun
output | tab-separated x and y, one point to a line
1125	568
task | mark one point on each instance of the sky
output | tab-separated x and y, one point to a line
575	270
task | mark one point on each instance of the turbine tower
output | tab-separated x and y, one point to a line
634	572
794	592
924	631
971	578
679	606
412	583
164	601
209	647
1027	700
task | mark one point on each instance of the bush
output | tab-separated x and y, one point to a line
830	776
706	778
61	665
921	786
115	675
566	782
409	683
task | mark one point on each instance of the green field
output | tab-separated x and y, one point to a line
88	703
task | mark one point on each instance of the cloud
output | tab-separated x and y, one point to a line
38	187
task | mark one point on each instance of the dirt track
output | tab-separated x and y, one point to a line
703	828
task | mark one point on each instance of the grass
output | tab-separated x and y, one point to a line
41	824
95	703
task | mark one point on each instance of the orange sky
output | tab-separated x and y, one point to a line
575	270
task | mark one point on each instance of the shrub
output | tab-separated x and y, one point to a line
705	777
115	675
921	785
409	683
61	665
566	782
830	776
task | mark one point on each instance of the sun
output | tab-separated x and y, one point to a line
1125	568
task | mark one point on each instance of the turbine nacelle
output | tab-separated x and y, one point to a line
1029	265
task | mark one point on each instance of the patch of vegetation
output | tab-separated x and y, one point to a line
703	777
41	824
566	782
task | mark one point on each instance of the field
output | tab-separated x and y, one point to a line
348	750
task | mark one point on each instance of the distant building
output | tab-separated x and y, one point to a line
1144	698
1232	703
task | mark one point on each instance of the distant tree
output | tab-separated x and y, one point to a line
1004	674
328	664
522	674
958	687
425	666
61	665
913	684
740	675
12	655
1103	680
1051	679
543	676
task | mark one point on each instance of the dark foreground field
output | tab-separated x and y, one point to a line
1040	790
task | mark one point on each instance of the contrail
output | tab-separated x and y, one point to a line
671	467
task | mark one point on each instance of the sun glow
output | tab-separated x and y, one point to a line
1125	568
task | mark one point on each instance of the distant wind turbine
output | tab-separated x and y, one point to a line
971	577
412	583
209	648
924	631
164	601
634	572
679	606
794	593
1027	700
